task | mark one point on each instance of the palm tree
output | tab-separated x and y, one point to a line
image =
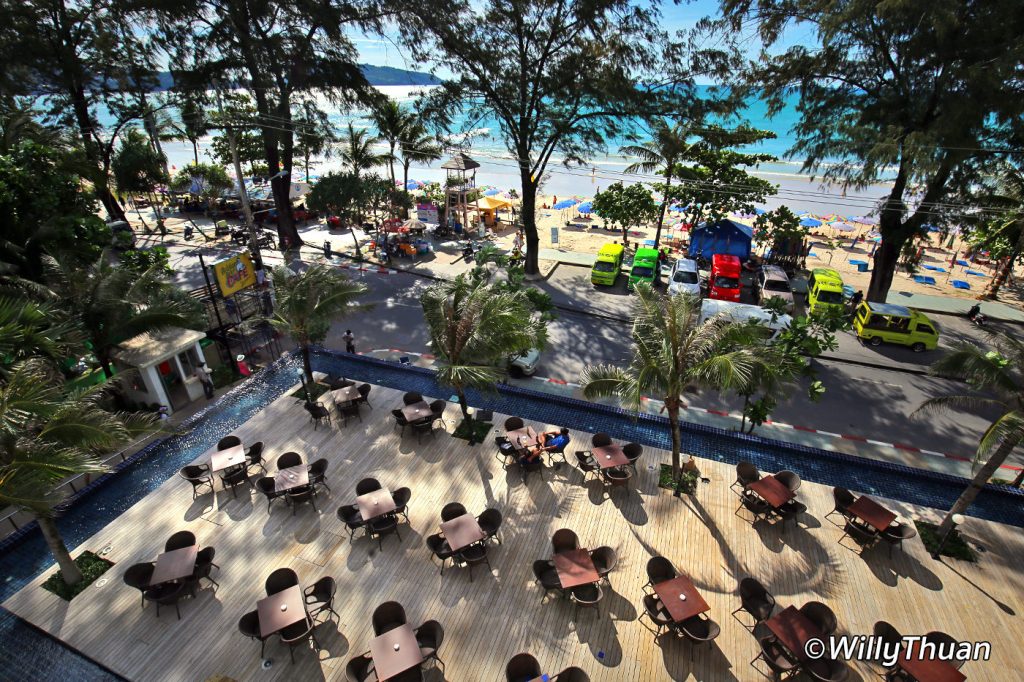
113	304
660	154
357	151
47	435
673	353
474	328
308	302
191	127
29	329
1006	233
391	121
997	375
418	146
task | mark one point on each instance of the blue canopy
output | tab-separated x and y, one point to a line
492	192
810	222
585	207
565	203
725	237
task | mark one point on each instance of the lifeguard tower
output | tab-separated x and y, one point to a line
459	184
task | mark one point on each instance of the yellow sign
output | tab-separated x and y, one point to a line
234	274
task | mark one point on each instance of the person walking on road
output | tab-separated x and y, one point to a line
855	302
350	341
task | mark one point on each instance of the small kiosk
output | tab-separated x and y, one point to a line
166	362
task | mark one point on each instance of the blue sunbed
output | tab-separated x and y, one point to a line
924	279
976	273
960	284
935	268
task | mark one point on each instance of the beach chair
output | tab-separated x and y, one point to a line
924	279
960	284
976	273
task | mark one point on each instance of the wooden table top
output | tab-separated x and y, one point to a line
608	456
178	563
222	459
462	531
388	662
931	670
292	477
344	395
523	437
681	609
376	503
320	377
871	512
772	490
575	567
417	411
272	618
793	629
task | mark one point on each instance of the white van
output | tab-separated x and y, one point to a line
742	312
684	278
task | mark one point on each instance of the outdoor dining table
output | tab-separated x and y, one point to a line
523	437
462	531
178	563
375	503
608	456
280	610
224	459
320	377
772	490
793	630
575	567
344	395
291	477
416	411
932	670
872	513
395	651
671	593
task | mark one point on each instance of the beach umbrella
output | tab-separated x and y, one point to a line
760	211
492	192
413	184
810	222
842	227
864	220
585	207
564	204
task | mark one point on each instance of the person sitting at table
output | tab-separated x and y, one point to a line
554	441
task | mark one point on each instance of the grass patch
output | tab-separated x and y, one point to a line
480	430
955	547
92	567
690	477
315	391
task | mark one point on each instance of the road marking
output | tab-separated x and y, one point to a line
875	381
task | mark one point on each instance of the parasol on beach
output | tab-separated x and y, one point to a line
863	220
842	227
492	192
810	222
564	204
413	184
585	207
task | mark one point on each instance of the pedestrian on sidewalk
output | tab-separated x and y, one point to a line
350	341
203	374
517	242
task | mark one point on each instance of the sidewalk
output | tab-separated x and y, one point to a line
955	306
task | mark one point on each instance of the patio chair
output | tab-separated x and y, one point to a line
320	596
198	476
353	520
601	440
254	458
360	669
387	617
864	536
301	495
790	479
472	556
616	478
297	633
586	464
166	594
181	539
655	611
266	486
564	540
531	466
234	477
892	637
522	667
633	451
659	569
791	510
349	409
513	424
281	579
746	473
367	485
821	615
288	460
699	629
318	474
401	498
412	398
437	409
204	565
895	534
841	499
775	656
338	382
364	395
228	442
317	413
827	670
571	674
587	596
421	427
605	559
756	600
452	510
430	636
249	625
138	576
945	643
490	524
439	547
546	576
506	451
381	526
400	419
755	505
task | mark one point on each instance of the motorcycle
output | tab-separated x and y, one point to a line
976	316
469	251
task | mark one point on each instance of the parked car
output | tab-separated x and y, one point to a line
525	363
772	282
645	267
724	282
884	322
742	313
122	235
607	266
684	278
825	290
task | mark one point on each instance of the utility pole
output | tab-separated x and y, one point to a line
254	242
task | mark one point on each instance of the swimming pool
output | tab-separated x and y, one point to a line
25	556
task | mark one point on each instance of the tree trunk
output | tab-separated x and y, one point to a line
887	257
1004	273
664	206
104	359
979	481
391	164
1019	479
306	364
405	186
529	218
68	569
195	150
672	407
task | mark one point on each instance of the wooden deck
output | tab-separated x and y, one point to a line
500	614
